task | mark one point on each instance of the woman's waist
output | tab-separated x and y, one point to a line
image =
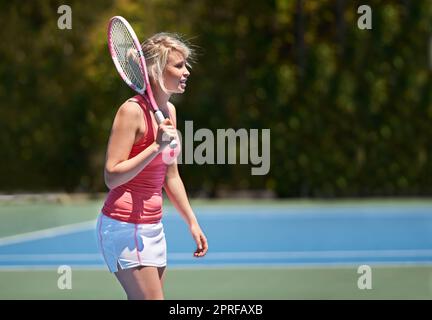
136	190
111	223
127	203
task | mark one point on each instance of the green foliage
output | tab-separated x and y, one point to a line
348	109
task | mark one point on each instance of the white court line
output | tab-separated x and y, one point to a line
237	255
188	266
308	254
47	233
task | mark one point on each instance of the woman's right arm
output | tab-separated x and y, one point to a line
118	168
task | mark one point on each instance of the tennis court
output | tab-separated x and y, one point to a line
258	250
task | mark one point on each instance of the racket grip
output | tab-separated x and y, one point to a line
159	118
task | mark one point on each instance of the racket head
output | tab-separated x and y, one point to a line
128	57
127	54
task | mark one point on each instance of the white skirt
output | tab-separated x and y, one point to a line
130	245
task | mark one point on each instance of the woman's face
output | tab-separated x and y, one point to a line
175	73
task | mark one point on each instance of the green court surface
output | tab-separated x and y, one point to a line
252	283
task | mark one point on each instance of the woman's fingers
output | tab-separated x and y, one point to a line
198	241
167	122
202	245
167	132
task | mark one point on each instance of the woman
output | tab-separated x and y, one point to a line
138	164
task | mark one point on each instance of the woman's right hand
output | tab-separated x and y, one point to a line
166	133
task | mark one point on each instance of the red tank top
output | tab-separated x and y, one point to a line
140	199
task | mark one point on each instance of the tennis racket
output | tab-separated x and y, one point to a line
128	57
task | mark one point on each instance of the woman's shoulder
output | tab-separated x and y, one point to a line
137	101
130	109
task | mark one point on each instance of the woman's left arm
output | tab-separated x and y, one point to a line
176	192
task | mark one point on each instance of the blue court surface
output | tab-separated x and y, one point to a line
254	235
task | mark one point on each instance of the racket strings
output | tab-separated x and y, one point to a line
127	54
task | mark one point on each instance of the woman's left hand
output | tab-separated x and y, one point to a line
200	239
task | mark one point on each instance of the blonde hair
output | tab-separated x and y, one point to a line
157	49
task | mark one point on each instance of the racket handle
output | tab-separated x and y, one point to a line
159	118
